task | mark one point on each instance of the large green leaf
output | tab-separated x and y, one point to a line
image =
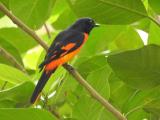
100	39
86	104
155	5
19	39
98	79
32	12
126	40
6	3
12	75
11	50
25	114
153	107
154	33
119	92
138	68
110	11
17	96
66	15
138	100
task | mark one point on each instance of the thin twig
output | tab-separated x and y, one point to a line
72	71
54	112
4	85
47	30
11	59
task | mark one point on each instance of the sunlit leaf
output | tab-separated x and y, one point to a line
138	68
113	11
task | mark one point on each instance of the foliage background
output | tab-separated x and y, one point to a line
121	60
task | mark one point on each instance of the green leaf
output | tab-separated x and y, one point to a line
120	93
138	68
139	114
153	107
66	15
19	39
17	96
154	33
11	50
25	114
12	75
100	38
155	5
98	79
87	108
110	11
32	12
6	3
127	40
143	24
91	64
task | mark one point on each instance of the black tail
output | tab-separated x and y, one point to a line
41	83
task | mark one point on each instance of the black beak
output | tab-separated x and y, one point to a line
96	25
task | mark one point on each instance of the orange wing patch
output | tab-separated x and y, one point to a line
67	57
69	46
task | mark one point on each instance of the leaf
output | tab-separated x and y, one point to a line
98	79
110	11
31	57
5	2
100	39
155	5
19	39
17	96
66	15
12	75
138	68
25	114
153	107
140	98
133	107
139	114
11	50
126	40
154	33
120	93
91	64
32	12
143	24
87	108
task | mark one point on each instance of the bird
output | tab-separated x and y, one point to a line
64	47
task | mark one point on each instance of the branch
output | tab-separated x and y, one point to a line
47	30
11	59
72	71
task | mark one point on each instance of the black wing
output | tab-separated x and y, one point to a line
64	38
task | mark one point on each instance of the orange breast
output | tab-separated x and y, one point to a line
65	58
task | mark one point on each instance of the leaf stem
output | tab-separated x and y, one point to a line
72	71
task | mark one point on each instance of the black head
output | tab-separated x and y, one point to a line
84	25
